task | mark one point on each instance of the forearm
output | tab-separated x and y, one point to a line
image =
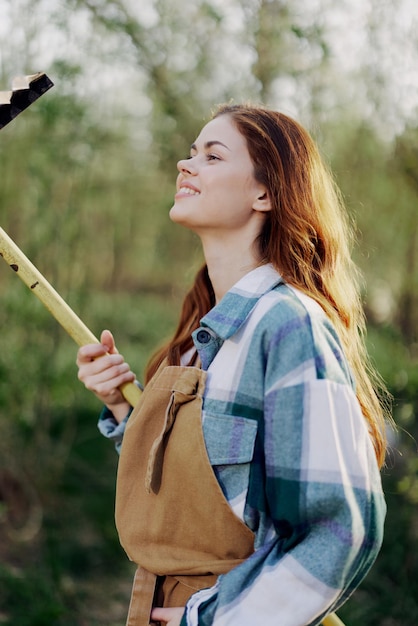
119	411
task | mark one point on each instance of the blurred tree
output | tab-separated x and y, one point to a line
286	46
406	161
379	183
174	54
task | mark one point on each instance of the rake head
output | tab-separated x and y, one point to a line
25	90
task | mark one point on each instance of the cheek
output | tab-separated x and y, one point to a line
231	211
231	189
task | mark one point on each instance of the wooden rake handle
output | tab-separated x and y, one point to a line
38	284
332	620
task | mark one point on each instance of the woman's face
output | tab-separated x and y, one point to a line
216	188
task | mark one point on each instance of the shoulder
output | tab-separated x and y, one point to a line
295	332
286	311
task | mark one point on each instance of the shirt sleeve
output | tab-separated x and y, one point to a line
110	428
321	489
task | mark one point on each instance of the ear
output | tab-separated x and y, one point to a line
262	202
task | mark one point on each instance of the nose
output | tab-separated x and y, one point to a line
185	166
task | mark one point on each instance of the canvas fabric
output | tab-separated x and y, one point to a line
172	517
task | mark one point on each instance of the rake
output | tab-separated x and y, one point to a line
25	90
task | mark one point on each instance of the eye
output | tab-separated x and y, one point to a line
212	157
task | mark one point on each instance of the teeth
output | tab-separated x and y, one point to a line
190	192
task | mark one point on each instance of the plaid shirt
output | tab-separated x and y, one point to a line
292	453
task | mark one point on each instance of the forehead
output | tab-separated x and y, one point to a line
222	129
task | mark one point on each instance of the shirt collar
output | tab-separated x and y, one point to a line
236	305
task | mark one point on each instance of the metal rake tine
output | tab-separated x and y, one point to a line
25	90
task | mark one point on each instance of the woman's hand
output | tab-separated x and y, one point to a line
102	370
171	616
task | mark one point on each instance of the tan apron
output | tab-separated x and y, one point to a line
171	514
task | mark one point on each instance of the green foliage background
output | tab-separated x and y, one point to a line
87	179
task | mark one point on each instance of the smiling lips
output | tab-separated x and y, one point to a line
188	191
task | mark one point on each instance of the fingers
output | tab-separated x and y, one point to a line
103	370
86	354
170	616
106	338
94	350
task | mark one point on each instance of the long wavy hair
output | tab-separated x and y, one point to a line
307	236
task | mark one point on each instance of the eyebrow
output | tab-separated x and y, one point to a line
209	144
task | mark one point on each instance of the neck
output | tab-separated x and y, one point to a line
228	264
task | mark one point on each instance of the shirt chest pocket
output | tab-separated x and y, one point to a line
229	439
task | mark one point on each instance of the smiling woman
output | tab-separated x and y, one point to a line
259	435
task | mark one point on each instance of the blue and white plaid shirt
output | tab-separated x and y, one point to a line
292	453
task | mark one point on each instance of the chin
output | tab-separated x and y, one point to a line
174	214
178	216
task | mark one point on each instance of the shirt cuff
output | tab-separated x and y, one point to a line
110	428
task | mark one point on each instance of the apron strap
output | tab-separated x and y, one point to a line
142	597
